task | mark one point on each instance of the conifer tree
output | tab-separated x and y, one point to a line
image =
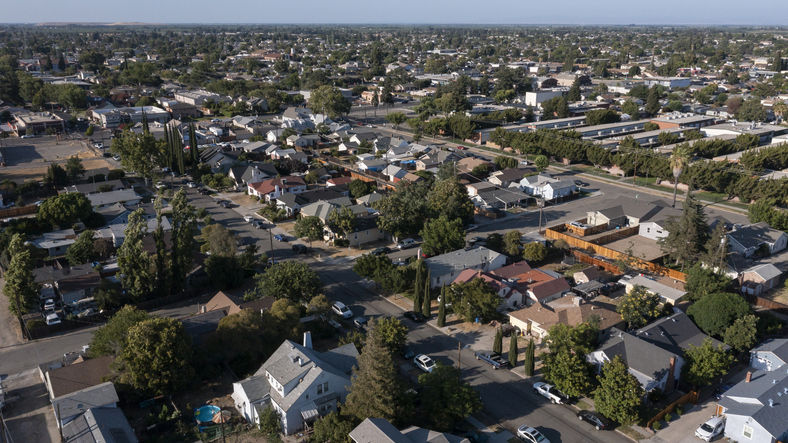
425	309
498	342
513	350
417	290
529	358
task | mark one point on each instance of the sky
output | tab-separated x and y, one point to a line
462	12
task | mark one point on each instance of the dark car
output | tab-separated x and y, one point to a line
720	392
417	317
299	249
280	237
380	251
595	418
407	353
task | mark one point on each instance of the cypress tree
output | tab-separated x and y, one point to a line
417	288
513	351
425	309
498	342
529	358
144	121
442	307
193	146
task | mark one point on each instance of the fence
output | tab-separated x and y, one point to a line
692	397
609	267
584	232
614	255
768	304
20	210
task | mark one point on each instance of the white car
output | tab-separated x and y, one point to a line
28	136
550	392
470	228
116	158
160	185
713	427
248	218
53	319
342	310
191	185
49	305
531	435
424	362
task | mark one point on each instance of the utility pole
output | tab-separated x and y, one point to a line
459	360
271	241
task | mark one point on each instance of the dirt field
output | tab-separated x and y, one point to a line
23	174
646	248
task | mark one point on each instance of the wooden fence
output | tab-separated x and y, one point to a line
768	304
585	232
614	255
692	397
609	267
19	210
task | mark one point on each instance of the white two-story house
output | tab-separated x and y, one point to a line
276	187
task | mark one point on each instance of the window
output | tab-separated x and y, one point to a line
319	389
367	232
325	387
648	230
747	432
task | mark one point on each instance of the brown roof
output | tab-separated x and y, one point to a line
512	270
226	302
548	288
257	305
79	283
591	273
78	376
545	316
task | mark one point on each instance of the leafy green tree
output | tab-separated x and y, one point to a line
140	153
450	198
442	235
359	188
136	266
342	221
535	252
574	91
556	107
65	209
160	260
446	398
396	118
218	240
111	338
619	394
295	281
461	126
513	351
375	390
393	333
638	307
225	271
329	100
74	169
20	284
184	226
704	363
473	299
512	242
310	227
565	364
530	362
494	241
752	111
541	162
81	250
498	342
358	339
702	281
602	116
714	313
270	423
240	340
631	109
481	171
652	102
742	334
333	428
157	357
404	210
89	131
679	160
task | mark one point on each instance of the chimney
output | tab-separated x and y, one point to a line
308	340
771	403
203	309
300	361
671	375
749	377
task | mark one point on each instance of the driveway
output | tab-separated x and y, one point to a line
682	430
28	412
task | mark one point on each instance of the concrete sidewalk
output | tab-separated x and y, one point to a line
501	437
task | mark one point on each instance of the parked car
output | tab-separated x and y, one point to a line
49	305
596	419
340	309
191	184
299	249
531	435
116	158
52	319
280	237
406	243
480	241
248	218
381	250
710	430
492	358
471	227
720	392
406	352
577	224
550	392
424	362
28	136
360	323
417	317
160	185
258	224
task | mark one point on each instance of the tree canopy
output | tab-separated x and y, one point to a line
704	363
446	398
295	281
714	313
619	394
111	338
442	235
65	209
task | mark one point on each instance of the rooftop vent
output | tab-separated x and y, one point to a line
771	403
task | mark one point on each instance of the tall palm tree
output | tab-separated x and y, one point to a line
679	160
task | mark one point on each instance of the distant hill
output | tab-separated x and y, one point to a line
98	24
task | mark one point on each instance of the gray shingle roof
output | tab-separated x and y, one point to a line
675	333
459	260
777	346
78	402
203	323
753	235
763	387
377	430
100	425
640	355
766	271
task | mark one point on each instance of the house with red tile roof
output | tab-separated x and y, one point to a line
276	187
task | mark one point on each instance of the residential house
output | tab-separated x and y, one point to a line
276	187
467	165
70	406
116	231
586	275
760	278
675	333
770	355
499	198
446	267
511	297
546	187
748	239
478	188
371	165
218	160
233	305
105	199
366	231
339	181
369	199
246	174
99	425
437	158
537	319
55	243
273	135
394	173
654	367
629	212
201	326
380	430
506	177
540	286
755	409
292	203
299	383
76	288
667	294
350	147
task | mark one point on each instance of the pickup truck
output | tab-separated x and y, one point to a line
550	392
495	360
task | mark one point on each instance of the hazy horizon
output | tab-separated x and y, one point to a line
407	12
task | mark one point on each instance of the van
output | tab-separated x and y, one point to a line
406	243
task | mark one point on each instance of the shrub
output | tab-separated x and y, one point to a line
657	425
36	323
341	242
668	417
679	410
